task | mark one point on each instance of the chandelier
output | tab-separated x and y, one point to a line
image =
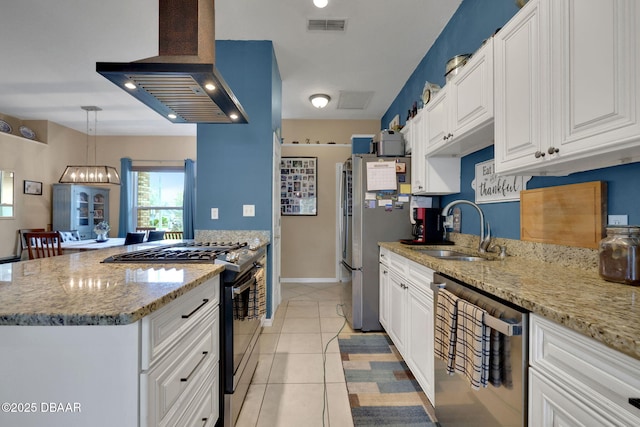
90	174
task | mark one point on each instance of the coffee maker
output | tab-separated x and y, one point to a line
427	227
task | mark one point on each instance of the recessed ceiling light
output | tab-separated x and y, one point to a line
233	116
320	3
210	87
129	85
172	116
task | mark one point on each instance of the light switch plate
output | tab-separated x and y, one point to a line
618	220
248	210
214	213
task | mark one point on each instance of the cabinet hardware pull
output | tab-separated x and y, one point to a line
204	301
195	368
450	136
553	150
635	401
204	421
444	138
539	154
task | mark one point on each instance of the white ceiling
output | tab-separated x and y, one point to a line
48	52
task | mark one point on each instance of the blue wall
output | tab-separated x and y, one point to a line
471	24
235	160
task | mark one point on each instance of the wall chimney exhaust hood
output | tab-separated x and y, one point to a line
182	83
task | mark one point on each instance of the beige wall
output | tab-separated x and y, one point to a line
46	162
309	242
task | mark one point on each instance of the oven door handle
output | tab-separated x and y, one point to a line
237	290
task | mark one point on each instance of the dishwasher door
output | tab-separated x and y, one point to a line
456	403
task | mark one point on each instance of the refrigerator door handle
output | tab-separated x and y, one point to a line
345	214
348	267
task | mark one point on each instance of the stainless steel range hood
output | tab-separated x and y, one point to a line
182	81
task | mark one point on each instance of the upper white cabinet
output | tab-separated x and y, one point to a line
429	175
567	87
460	117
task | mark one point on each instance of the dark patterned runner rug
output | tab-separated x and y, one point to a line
382	390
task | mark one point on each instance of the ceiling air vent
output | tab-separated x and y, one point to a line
354	100
326	24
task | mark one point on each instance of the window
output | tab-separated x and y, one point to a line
158	198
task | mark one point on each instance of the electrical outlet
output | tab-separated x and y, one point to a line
214	213
618	220
248	210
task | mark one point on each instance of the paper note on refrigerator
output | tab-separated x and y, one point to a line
381	176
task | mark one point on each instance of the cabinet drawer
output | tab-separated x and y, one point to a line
204	409
384	256
164	327
595	373
174	380
419	274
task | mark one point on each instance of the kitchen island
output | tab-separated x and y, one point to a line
86	343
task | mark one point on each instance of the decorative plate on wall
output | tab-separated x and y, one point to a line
5	127
27	133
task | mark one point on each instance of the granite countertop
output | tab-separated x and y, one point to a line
574	297
77	289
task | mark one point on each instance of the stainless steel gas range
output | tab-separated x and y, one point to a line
240	319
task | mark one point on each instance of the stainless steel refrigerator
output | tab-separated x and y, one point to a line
374	208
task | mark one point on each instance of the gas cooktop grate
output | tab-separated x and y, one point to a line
191	252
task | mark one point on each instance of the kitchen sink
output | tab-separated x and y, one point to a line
440	253
451	255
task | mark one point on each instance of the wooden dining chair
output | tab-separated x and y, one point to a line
23	240
43	244
173	235
155	235
133	238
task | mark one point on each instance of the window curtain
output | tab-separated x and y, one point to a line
126	198
189	198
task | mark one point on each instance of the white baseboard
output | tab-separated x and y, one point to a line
309	280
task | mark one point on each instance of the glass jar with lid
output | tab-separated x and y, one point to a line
620	255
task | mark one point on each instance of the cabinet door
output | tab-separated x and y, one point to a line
417	155
552	406
471	93
384	296
437	125
420	337
596	82
81	208
521	88
99	207
397	311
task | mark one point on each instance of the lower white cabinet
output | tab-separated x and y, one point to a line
575	380
159	371
406	313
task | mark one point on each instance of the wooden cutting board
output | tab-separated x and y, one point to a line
570	215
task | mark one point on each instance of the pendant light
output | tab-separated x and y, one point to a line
91	174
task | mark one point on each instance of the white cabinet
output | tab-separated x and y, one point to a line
577	381
430	175
79	207
416	135
460	117
383	282
419	348
161	370
407	304
397	310
567	87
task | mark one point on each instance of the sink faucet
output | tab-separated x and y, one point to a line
485	241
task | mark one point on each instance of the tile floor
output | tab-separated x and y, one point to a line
288	386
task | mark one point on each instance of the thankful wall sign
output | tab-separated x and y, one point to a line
493	188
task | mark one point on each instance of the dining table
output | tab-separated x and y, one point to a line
91	244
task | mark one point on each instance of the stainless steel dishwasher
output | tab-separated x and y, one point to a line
456	403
